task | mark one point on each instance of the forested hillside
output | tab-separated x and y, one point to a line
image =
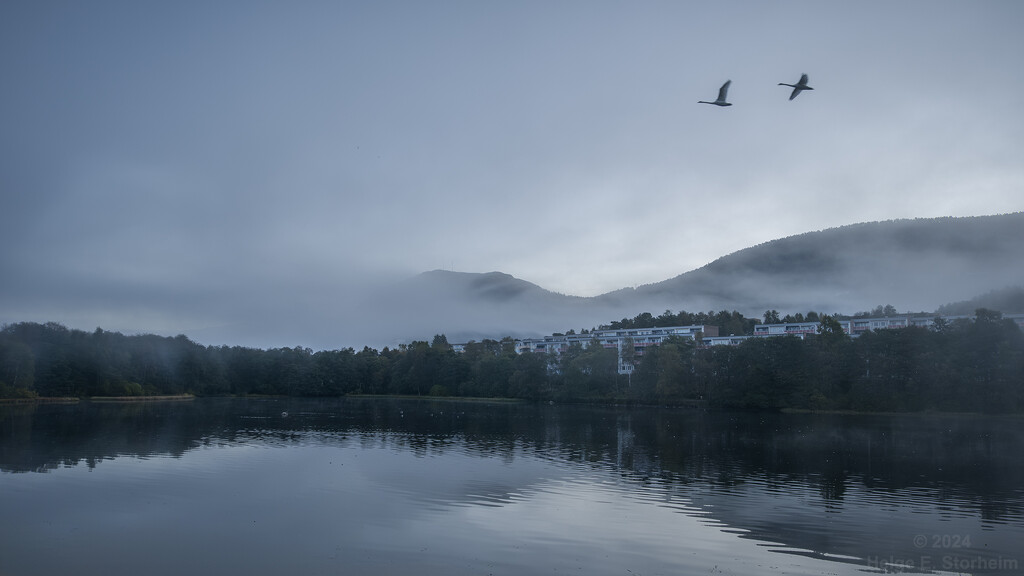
962	366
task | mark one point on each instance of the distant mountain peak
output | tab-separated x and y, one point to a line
490	286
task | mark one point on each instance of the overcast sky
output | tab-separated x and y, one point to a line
171	166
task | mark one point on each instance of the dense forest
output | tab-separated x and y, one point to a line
975	365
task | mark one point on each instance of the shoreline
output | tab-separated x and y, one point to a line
607	403
173	397
39	400
434	398
97	399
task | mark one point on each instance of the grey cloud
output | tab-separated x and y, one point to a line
241	164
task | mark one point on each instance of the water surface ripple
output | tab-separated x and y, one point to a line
388	486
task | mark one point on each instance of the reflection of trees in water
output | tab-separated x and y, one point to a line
43	437
731	470
970	460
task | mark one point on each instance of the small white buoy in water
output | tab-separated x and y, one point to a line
284	414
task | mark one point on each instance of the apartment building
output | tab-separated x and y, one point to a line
643	338
639	338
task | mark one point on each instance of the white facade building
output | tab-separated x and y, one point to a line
643	338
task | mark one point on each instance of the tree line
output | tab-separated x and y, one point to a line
970	365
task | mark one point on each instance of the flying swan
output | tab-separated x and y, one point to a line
722	93
798	87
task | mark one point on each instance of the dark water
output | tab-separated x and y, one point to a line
366	487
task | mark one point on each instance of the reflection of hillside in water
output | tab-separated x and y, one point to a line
822	483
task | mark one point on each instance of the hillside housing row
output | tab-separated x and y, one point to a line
642	338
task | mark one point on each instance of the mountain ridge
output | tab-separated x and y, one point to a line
895	261
914	264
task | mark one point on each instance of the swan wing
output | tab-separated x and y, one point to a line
723	92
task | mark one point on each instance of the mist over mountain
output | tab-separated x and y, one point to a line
1005	300
915	265
469	306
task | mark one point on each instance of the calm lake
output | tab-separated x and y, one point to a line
387	486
